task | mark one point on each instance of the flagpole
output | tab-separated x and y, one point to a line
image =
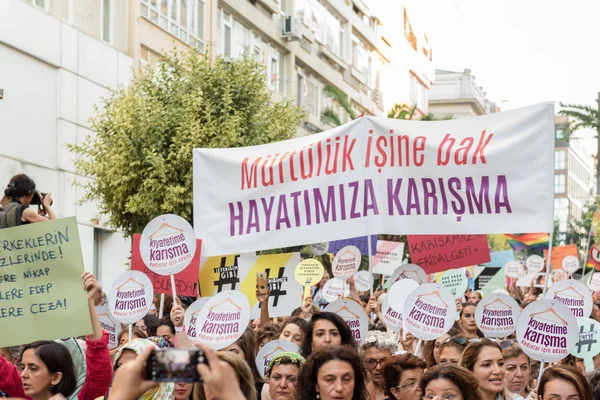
548	263
587	253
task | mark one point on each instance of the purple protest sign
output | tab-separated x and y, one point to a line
362	242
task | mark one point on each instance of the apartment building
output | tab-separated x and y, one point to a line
458	94
573	178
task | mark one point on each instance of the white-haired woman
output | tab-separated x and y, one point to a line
376	349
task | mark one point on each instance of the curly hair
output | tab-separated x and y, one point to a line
307	380
379	340
395	366
340	324
464	379
268	332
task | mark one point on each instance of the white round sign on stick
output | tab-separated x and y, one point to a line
572	294
534	264
190	319
353	314
393	304
110	325
346	262
595	281
130	297
570	264
363	281
547	330
333	289
588	342
318	249
455	280
409	271
513	269
391	317
270	350
497	315
429	312
168	244
223	319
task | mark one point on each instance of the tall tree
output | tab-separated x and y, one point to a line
139	158
584	116
329	116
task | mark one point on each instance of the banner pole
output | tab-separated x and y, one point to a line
173	288
370	266
587	254
548	263
130	332
161	308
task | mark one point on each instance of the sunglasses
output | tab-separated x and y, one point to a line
461	340
505	344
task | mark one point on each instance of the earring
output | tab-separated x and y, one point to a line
318	396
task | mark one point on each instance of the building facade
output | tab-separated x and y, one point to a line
573	178
457	94
60	58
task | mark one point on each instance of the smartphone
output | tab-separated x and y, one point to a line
174	365
379	288
261	282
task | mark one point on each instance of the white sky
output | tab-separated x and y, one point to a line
522	51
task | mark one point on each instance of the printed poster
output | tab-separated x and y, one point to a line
380	176
41	292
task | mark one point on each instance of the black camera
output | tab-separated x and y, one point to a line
37	198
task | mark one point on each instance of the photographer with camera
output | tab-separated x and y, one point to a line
19	194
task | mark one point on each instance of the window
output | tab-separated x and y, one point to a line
559	183
560	133
182	18
560	159
107	17
418	93
328	29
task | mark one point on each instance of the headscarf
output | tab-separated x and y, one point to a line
164	391
295	359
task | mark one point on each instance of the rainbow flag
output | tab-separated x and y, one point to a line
524	241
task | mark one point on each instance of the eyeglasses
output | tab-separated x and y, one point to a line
463	341
371	362
505	344
408	385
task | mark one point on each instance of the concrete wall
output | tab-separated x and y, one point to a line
52	76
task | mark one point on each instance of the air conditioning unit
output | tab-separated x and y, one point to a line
290	28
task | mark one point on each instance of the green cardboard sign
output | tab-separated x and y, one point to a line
41	292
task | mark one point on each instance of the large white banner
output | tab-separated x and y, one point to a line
488	174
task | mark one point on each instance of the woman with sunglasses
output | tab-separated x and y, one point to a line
517	368
376	349
401	375
484	359
433	358
452	348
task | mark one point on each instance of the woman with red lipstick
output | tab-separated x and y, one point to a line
484	359
183	391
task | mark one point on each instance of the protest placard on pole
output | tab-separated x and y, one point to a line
190	319
588	342
496	315
41	293
354	315
272	349
333	289
409	271
436	253
460	176
346	262
307	273
130	297
110	325
388	257
573	294
429	311
455	280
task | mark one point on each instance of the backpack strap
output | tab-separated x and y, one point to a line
14	212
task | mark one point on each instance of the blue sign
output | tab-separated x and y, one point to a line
361	242
499	258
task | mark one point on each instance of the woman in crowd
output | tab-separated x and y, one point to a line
376	349
333	372
517	367
245	347
475	297
18	195
317	295
484	359
166	329
243	374
449	382
265	334
183	391
467	321
282	375
149	324
401	375
434	357
136	333
452	348
48	371
294	330
564	383
325	329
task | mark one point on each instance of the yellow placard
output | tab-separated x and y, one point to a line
309	272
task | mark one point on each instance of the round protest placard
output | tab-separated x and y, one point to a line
346	262
455	280
353	314
409	271
223	319
110	325
497	315
333	289
363	281
318	249
588	341
168	244
270	350
309	272
392	318
570	264
429	311
513	269
594	284
534	264
572	294
547	330
190	318
130	297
